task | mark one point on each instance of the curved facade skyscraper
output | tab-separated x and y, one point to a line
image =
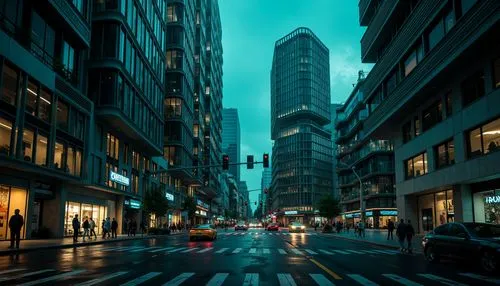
300	108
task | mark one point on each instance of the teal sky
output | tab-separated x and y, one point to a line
249	30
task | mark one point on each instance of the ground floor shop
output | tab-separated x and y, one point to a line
375	218
12	198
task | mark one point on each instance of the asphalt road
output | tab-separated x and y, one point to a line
255	257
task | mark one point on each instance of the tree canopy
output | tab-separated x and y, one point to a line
155	202
189	205
329	207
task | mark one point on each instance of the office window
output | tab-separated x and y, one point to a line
496	73
484	139
41	150
68	57
28	142
43	38
416	166
472	88
9	84
125	153
59	155
62	115
407	132
110	38
196	130
44	105
174	59
5	135
78	162
416	126
174	13
436	34
135	160
449	104
391	83
70	160
449	21
112	146
432	115
445	154
412	60
31	97
173	107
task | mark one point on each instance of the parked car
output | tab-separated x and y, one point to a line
472	241
273	227
240	226
203	231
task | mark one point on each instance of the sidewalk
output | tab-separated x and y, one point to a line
67	242
379	237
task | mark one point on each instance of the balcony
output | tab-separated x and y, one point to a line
371	147
466	31
366	11
74	19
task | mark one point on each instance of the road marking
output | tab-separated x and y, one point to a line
218	279
481	277
190	249
228	234
251	279
401	280
24	275
176	249
321	280
237	250
235	233
161	249
102	279
310	251
52	278
384	252
361	280
371	251
205	250
340	251
252	250
221	250
325	252
296	251
324	268
12	270
179	279
140	249
142	279
281	251
266	251
354	251
286	279
443	280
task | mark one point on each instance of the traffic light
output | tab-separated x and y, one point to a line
225	162
250	162
265	160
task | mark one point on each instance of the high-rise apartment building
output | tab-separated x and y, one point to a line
231	139
265	184
434	91
331	127
300	108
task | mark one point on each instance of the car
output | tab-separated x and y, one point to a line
471	241
296	227
203	231
273	227
240	226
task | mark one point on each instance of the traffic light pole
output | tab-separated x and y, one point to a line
202	166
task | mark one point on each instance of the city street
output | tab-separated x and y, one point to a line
253	257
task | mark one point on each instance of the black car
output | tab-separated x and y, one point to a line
472	241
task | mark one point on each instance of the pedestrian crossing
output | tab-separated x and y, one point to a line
132	278
267	234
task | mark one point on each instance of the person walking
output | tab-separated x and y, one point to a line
86	227
114	227
143	228
76	228
104	229
401	234
410	232
361	228
129	228
92	228
390	229
107	226
16	223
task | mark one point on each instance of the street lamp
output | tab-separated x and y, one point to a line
361	204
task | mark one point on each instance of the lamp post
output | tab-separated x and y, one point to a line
361	203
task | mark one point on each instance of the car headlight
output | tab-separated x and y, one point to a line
294	227
302	227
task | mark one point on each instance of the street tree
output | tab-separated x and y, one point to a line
155	202
189	205
329	207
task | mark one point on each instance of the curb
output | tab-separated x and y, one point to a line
371	242
62	246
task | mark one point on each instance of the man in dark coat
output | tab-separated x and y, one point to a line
390	230
76	228
410	232
114	227
16	223
401	233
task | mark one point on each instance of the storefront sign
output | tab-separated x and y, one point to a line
169	196
133	204
369	213
202	204
291	212
351	215
492	199
201	212
389	213
120	179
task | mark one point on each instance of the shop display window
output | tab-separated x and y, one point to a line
435	209
96	212
487	206
11	198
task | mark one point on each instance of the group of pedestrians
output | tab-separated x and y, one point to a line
109	228
403	231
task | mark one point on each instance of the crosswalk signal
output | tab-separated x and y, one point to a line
265	160
225	162
250	162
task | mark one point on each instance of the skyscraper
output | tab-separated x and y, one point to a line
231	139
300	108
331	127
265	183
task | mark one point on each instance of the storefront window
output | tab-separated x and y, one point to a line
97	212
11	199
5	135
487	206
435	209
41	151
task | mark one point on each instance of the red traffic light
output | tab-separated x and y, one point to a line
265	160
225	162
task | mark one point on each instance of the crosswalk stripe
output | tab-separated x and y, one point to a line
281	251
228	234
25	275
205	250
190	249
179	279
443	280
325	252
296	251
321	280
354	251
235	233
481	277
401	280
140	249
161	249
52	278
12	270
252	250
142	279
384	252
218	279
266	251
222	250
237	250
370	251
102	279
286	279
311	252
340	251
251	279
361	280
176	249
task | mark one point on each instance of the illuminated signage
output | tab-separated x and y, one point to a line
202	204
351	215
169	196
370	213
393	213
201	212
492	199
120	179
291	212
134	204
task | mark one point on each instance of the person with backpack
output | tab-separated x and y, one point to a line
86	227
410	232
401	234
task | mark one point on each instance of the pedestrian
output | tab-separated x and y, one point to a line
356	230
16	223
107	225
129	228
92	228
401	234
86	227
143	228
390	229
103	226
114	227
410	232
361	228
133	226
316	226
76	228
